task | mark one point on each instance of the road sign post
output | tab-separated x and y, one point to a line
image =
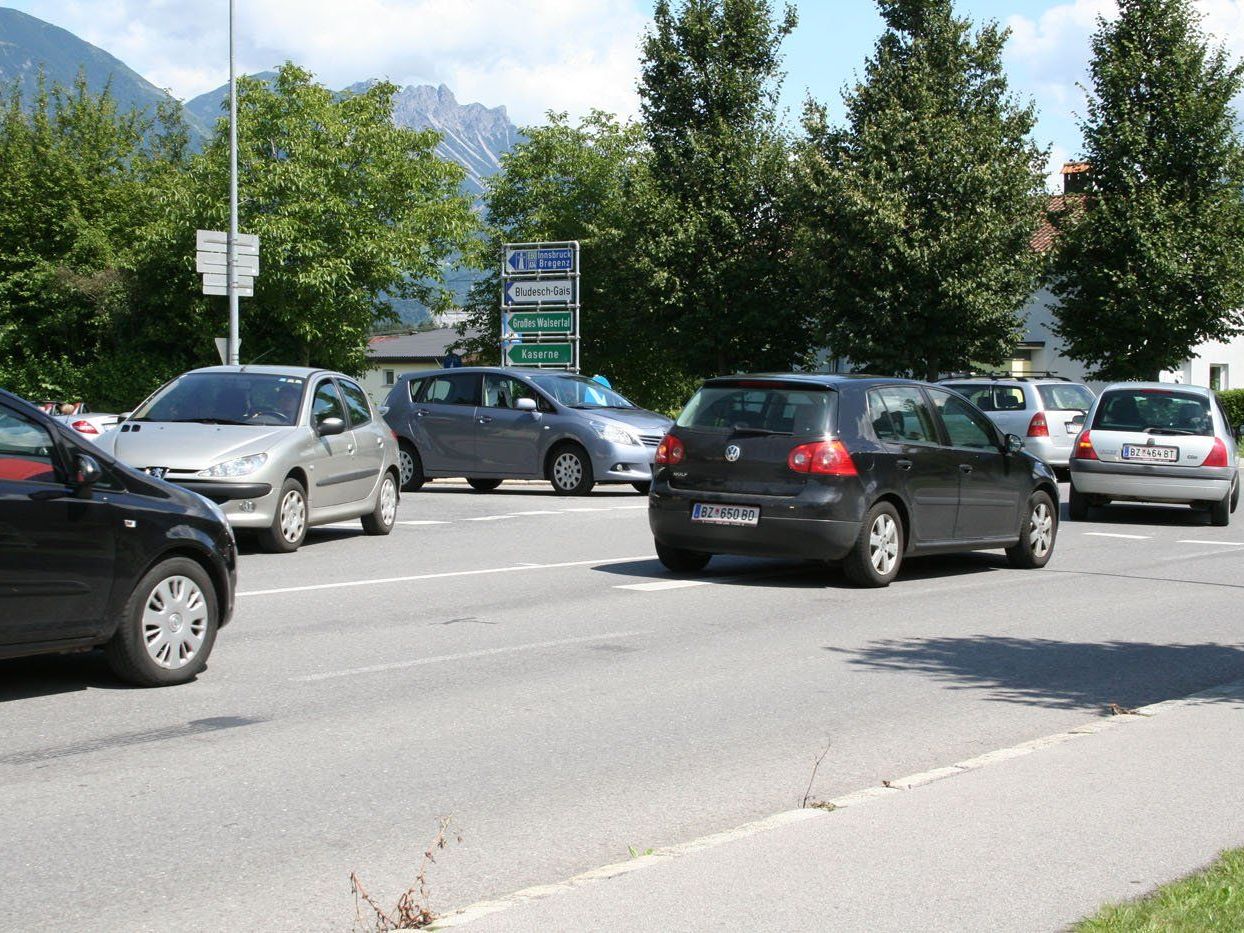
540	312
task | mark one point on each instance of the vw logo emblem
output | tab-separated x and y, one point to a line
733	453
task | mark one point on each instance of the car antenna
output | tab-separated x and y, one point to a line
261	356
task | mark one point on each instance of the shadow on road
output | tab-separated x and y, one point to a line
1059	674
1162	516
48	675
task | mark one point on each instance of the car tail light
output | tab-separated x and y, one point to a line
824	458
670	451
1084	448
1218	456
85	427
1037	426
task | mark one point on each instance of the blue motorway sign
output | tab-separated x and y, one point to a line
539	259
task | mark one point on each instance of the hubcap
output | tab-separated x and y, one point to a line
174	622
883	544
388	501
567	471
1041	530
405	464
293	515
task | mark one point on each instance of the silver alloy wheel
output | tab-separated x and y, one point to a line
883	544
405	465
388	501
567	470
1041	530
293	516
174	622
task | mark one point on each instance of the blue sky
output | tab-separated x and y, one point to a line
539	55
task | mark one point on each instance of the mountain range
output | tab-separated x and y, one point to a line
472	135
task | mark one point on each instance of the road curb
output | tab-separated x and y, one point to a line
481	909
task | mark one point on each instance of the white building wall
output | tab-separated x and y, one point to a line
374	383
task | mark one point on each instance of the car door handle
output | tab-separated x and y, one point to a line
485	419
421	412
965	468
903	464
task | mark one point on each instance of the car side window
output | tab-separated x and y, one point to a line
503	391
453	389
27	451
326	403
965	426
900	415
356	403
415	386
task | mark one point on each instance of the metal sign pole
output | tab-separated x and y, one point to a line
230	254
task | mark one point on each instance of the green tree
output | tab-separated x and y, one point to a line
1153	264
588	181
708	87
917	216
351	211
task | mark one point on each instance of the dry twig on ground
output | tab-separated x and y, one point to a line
413	910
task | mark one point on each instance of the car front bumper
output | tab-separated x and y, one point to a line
1139	482
621	463
245	504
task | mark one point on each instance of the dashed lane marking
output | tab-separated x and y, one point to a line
1222	543
1111	534
662	585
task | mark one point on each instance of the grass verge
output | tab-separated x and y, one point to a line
1209	901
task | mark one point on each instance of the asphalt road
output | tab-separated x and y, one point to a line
523	663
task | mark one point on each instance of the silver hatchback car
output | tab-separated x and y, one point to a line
279	448
1157	442
492	424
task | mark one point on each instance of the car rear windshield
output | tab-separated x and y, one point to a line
1156	411
1065	397
762	408
226	398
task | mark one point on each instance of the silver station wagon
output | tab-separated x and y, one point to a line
1157	442
279	448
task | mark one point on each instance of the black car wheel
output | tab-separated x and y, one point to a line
380	520
643	488
483	485
168	626
1220	512
289	525
681	561
570	470
410	466
875	559
1077	505
1036	534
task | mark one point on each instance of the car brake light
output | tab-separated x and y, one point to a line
824	458
670	451
1084	448
85	427
1037	426
1218	456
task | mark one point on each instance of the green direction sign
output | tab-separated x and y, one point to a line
542	322
533	354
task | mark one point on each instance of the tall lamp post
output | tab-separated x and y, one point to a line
230	251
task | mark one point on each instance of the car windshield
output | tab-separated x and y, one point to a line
1154	411
226	398
1065	396
579	391
760	408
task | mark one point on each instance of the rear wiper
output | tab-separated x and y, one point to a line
1169	431
759	432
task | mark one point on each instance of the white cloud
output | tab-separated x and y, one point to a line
531	55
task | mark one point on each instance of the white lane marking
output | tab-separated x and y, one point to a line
1107	534
425	522
605	509
625	508
662	585
464	656
488	518
1222	543
539	512
515	568
340	526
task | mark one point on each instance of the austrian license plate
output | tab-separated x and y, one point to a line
1146	454
712	514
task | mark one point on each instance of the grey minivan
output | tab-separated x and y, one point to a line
491	424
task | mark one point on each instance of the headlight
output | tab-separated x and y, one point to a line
242	466
614	434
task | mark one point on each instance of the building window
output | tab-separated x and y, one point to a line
389	377
1218	377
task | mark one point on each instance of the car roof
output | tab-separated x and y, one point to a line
828	380
1000	378
1161	387
508	370
304	372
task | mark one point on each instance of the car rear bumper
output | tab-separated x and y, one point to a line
798	527
1046	449
1147	483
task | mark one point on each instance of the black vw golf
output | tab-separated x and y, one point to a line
95	553
857	469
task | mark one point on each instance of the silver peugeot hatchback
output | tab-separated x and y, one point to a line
1157	442
280	448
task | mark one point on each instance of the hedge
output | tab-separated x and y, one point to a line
1233	402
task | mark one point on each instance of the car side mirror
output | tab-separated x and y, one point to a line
1014	443
330	426
525	404
87	471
